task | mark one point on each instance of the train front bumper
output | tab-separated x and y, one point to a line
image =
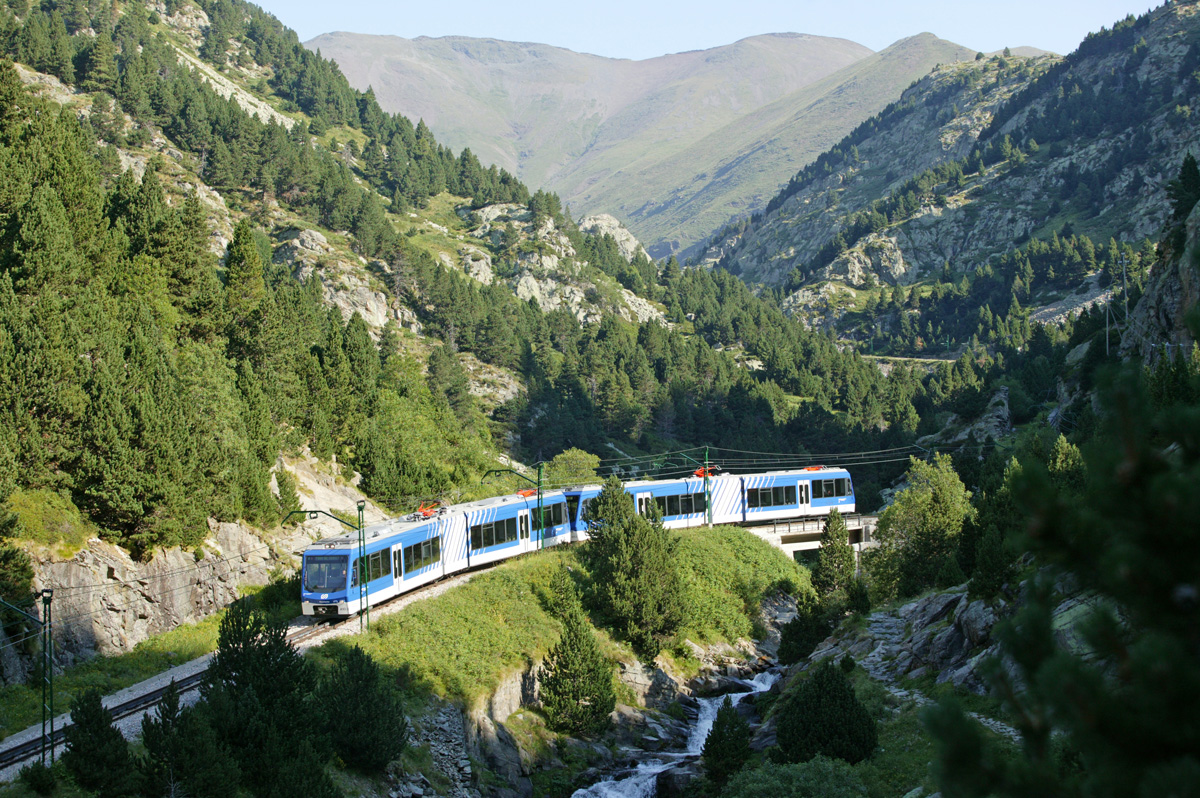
324	608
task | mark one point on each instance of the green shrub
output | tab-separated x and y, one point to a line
820	777
801	635
38	778
727	746
822	715
858	596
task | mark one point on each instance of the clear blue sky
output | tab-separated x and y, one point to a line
647	28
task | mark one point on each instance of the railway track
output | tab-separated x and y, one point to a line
29	749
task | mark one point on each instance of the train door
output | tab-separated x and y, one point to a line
523	522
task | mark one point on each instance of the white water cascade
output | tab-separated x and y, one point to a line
642	782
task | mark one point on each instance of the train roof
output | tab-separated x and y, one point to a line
503	499
392	526
798	472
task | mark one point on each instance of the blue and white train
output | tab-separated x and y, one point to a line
405	553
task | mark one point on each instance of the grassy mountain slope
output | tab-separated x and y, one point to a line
566	120
678	200
536	108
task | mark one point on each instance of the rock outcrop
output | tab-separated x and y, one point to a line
604	224
106	603
1159	318
994	422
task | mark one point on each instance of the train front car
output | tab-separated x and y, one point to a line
325	579
579	500
401	554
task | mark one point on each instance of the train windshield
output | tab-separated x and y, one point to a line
325	573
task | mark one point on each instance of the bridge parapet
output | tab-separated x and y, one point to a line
805	534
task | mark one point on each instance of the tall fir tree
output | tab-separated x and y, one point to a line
96	754
835	558
576	679
727	746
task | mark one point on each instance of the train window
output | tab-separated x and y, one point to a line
554	515
681	504
843	486
752	498
804	493
572	508
420	555
486	535
778	496
643	503
378	565
399	558
324	573
524	526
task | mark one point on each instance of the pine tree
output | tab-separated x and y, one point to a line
576	679
993	566
96	754
257	692
727	746
101	71
639	584
246	296
369	729
183	755
822	715
835	558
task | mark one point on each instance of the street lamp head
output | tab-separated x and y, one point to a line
312	514
362	503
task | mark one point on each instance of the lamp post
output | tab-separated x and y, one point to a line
364	610
540	517
45	628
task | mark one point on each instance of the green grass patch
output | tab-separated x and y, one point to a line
460	645
727	572
51	520
985	705
901	762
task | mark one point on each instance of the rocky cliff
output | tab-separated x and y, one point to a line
1159	320
105	602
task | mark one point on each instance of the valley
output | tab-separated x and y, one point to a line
236	283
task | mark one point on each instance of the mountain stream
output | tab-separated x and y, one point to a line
642	782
